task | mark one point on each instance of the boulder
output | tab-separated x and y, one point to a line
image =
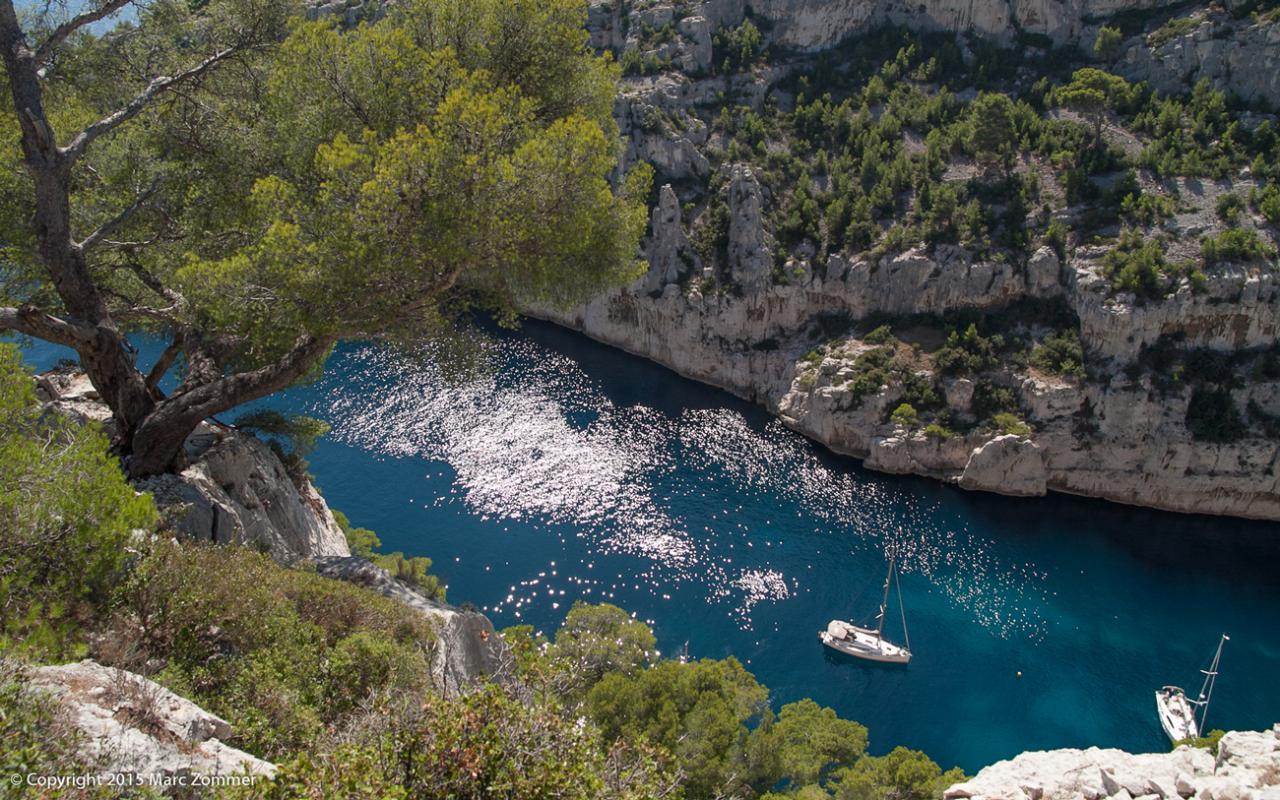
140	727
1044	273
1011	465
238	492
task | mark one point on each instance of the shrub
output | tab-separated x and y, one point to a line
279	653
905	416
1267	202
1006	422
1137	264
938	431
1212	416
968	352
1228	207
1209	742
484	745
413	570
596	640
1236	244
66	513
1060	353
1106	45
880	336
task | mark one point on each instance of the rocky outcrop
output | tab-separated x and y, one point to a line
1238	308
1119	439
750	262
1247	767
1011	465
140	727
668	253
811	25
467	650
234	491
1241	57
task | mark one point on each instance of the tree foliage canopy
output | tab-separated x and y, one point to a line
289	184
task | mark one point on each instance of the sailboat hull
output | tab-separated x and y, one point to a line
1176	714
863	643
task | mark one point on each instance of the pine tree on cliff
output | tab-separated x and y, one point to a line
254	198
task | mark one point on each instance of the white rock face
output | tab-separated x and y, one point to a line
1137	450
1010	465
668	251
820	24
141	727
1245	61
234	491
466	651
1246	768
750	262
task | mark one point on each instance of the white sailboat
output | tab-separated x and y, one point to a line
852	640
1177	712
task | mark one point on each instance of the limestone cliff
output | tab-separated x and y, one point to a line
783	320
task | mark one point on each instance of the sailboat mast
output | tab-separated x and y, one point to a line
1210	677
884	604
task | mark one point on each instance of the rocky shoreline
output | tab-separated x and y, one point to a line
1246	767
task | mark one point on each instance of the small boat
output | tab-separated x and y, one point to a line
852	640
1177	712
684	655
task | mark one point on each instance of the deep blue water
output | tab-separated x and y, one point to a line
564	470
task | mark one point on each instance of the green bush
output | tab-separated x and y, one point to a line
598	640
484	745
935	430
880	336
1006	422
969	352
413	570
1137	264
280	653
1237	244
1228	207
1061	353
66	513
905	416
1209	742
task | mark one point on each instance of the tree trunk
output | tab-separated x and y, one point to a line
157	444
103	356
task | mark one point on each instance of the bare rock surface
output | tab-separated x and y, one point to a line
140	727
1247	767
235	490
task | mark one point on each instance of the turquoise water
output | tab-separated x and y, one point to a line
566	471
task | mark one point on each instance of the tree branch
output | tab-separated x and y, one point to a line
163	363
112	225
140	101
33	322
230	391
60	33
